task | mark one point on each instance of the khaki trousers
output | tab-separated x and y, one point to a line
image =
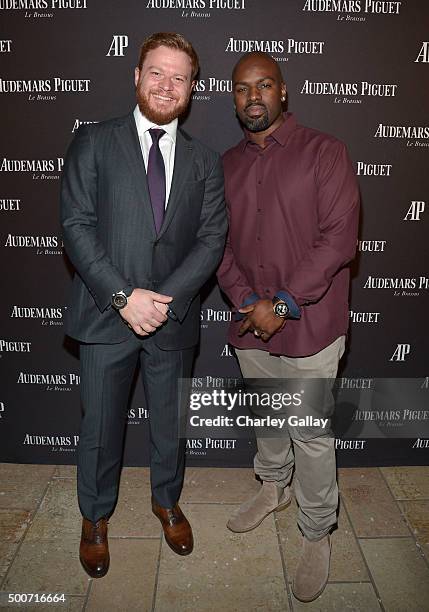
315	480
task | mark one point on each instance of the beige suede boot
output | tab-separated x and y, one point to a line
313	569
251	514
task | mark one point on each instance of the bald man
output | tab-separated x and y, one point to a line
293	204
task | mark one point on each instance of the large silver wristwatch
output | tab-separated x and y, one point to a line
280	308
120	299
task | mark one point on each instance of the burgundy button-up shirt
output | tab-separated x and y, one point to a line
293	213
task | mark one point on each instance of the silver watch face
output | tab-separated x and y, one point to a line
119	300
281	309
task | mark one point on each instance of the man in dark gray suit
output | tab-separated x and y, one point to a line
143	218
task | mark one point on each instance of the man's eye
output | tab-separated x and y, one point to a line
265	85
241	90
154	73
180	79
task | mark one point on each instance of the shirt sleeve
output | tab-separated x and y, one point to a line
231	278
338	212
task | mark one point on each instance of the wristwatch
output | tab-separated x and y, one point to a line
280	308
120	298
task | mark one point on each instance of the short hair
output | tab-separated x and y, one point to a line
174	41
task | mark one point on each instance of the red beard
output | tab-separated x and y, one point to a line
159	117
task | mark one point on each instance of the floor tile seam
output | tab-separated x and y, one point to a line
371	577
87	594
155	586
284	567
384	537
24	535
347	582
418	546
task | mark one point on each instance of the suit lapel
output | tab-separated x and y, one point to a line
183	160
129	141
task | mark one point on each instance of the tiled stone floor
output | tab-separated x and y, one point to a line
379	558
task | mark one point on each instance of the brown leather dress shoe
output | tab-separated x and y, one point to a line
177	530
94	548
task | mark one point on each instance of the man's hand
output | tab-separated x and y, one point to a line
145	311
261	320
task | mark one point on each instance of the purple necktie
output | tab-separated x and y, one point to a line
156	178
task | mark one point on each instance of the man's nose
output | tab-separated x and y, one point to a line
254	93
167	83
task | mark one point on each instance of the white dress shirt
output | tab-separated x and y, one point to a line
167	145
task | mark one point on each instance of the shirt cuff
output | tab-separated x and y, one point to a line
251	299
171	314
294	310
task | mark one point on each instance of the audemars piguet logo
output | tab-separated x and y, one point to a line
44	90
137	415
10	204
423	55
40	169
200	446
402	286
43	245
57	442
210	315
371	246
373	169
415	135
415	210
348	93
364	317
33	8
354	10
421	443
276	47
204	88
202	9
14	346
5	46
118	45
341	444
51	381
47	315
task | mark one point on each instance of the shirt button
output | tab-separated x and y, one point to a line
261	265
258	209
267	290
259	182
258	238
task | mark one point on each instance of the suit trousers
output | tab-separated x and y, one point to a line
107	372
315	479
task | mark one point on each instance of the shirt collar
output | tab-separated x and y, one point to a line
280	135
143	125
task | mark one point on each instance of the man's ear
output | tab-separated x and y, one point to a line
136	75
284	92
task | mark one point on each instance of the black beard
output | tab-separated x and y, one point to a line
158	117
257	124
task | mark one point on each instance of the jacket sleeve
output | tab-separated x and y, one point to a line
338	211
185	282
79	221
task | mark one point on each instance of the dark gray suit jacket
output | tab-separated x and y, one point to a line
109	232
